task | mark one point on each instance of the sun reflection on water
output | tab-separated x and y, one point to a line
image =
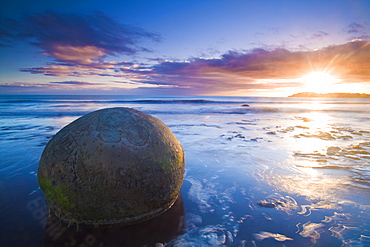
313	184
321	163
311	135
316	120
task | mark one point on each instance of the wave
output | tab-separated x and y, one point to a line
186	101
197	100
74	106
77	113
143	101
168	101
44	114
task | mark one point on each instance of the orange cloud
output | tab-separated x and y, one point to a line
77	53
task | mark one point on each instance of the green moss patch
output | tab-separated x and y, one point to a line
55	193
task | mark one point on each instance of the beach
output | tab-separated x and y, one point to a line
259	171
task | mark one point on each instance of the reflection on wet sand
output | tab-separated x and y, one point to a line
278	237
324	167
308	182
156	231
326	157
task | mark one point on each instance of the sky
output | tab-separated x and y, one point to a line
193	47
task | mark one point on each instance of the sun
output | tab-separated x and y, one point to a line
319	82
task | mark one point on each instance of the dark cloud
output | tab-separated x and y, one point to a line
57	70
5	37
80	68
354	27
319	35
357	31
63	35
8	33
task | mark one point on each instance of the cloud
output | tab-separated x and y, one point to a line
21	85
50	85
79	45
81	69
234	71
76	37
84	53
354	27
8	33
5	37
263	69
357	31
350	61
319	35
59	70
79	83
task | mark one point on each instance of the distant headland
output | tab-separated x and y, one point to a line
331	95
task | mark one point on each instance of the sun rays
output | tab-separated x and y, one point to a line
319	82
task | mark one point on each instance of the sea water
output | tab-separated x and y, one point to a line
259	172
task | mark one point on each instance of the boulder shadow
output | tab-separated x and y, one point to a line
160	229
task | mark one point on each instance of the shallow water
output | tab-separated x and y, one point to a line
278	172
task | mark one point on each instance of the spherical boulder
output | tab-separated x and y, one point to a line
115	166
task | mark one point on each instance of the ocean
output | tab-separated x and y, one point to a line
259	172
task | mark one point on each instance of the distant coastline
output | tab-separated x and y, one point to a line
331	95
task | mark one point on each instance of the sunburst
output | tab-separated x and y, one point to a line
319	82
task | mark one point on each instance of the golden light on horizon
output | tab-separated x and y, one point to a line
319	82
